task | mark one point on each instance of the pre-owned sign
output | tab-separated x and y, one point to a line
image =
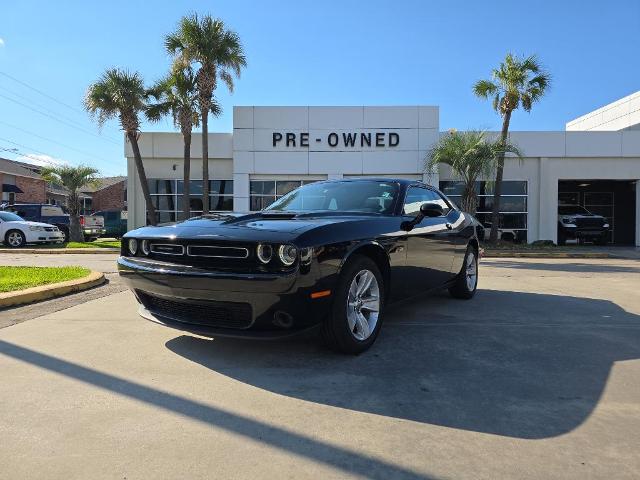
342	139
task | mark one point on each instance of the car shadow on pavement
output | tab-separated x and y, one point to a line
515	364
351	461
565	266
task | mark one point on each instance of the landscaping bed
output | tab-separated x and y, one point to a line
19	278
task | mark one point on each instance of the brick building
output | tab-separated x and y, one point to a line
20	184
109	194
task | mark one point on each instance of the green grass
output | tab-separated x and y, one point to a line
96	244
19	278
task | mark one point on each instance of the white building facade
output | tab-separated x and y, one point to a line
275	149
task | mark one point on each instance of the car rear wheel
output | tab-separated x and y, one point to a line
467	280
15	239
356	314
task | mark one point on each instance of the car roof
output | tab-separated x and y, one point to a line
402	181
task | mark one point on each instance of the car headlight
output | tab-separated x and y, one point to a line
133	246
264	252
606	225
288	254
569	220
36	228
144	247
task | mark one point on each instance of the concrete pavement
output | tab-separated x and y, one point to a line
536	377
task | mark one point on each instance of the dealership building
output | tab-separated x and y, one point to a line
595	163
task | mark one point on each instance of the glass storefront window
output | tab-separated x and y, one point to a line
264	192
166	196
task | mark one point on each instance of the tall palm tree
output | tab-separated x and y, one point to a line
121	94
73	179
470	155
217	53
176	95
516	82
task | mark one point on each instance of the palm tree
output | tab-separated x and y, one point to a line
176	94
516	82
217	54
121	94
471	155
73	179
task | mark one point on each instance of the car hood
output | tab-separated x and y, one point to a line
27	223
267	227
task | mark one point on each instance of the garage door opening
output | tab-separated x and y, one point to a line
615	200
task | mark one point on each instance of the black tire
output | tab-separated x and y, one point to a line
601	240
15	239
335	329
65	232
462	288
562	239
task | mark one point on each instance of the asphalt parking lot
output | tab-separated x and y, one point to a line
536	377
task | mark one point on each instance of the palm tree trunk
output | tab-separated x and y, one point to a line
186	189
497	192
151	210
75	230
205	161
469	201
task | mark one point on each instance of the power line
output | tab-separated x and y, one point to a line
57	114
106	139
23	146
42	93
54	141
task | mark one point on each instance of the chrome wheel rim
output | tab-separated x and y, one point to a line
363	304
15	239
471	271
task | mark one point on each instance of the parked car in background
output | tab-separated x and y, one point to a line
504	234
92	226
16	232
115	222
329	254
41	212
577	223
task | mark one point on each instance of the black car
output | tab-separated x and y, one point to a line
578	223
329	254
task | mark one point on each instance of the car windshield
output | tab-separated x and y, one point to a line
573	210
10	217
349	196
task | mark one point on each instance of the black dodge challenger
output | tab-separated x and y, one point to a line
329	254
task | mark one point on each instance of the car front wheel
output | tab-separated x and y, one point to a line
356	315
15	239
467	280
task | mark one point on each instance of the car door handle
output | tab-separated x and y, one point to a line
449	226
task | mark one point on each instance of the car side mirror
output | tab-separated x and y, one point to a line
428	209
431	209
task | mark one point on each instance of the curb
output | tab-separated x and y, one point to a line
60	250
488	254
43	292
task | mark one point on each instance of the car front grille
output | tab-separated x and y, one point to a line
208	313
589	222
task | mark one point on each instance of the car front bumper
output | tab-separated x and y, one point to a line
44	237
94	231
216	303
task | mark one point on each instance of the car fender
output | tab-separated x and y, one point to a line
353	249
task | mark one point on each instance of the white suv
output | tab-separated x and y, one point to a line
16	232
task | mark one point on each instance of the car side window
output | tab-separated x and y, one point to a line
416	196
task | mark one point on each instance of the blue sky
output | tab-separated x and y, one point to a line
310	53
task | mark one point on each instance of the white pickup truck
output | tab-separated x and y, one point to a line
92	226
